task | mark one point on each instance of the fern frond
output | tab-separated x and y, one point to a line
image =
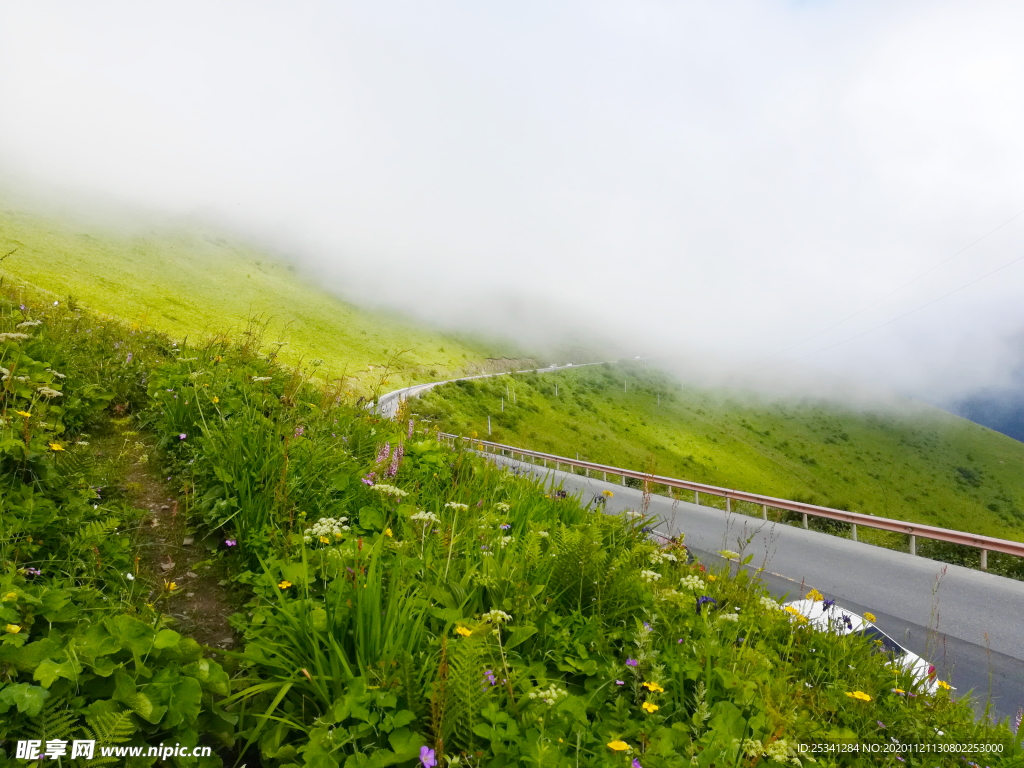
56	721
97	529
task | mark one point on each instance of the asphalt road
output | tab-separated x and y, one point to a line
388	404
967	623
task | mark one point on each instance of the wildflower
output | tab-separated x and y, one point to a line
230	542
712	577
496	617
388	533
32	572
29	323
543	534
618	746
899	691
463	631
504	526
769	604
635	764
49	394
943	685
13	336
859	695
704	600
456	506
692	582
549	695
324	540
396	460
815	595
654	687
425	517
826	604
262	378
216	399
501	506
728	554
427	759
620	682
170	585
13	629
129	358
23	413
632	663
506	540
182	436
880	723
633	514
284	584
729	617
11	597
607	494
300	431
383	453
56	447
325	528
650	708
130	576
390	490
650	576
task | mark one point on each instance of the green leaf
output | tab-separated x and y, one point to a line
520	635
27	698
166	638
48	671
371	518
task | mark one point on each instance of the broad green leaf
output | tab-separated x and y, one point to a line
27	698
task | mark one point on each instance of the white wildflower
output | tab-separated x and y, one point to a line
542	534
130	576
632	514
658	557
729	616
694	583
501	506
14	336
650	576
768	604
456	506
390	490
496	617
549	695
330	528
30	323
56	373
50	393
262	378
425	517
728	554
506	540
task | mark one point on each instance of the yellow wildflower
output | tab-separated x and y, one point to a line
649	708
324	540
284	584
13	629
815	595
608	494
869	616
943	685
171	585
859	695
898	690
712	577
216	399
388	533
217	358
11	597
463	631
654	688
23	413
56	447
618	746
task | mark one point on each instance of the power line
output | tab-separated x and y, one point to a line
891	293
917	309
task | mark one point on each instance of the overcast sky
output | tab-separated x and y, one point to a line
717	180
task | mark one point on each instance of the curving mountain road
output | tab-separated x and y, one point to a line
966	622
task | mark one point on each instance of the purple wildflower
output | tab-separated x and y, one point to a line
22	307
129	358
230	543
826	604
647	626
427	759
300	431
411	423
33	572
679	640
635	764
620	682
370	478
383	453
396	460
1017	720
505	526
182	436
704	600
632	663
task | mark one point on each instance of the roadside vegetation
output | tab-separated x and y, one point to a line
190	283
392	602
915	463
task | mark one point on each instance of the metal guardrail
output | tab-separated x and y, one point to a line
985	544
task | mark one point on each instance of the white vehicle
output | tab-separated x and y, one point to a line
827	616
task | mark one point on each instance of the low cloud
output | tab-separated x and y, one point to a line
712	182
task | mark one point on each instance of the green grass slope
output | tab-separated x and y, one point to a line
194	284
920	464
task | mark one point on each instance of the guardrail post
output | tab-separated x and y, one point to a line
805	520
696	497
586	471
853	531
913	544
605	476
984	559
623	480
728	504
764	511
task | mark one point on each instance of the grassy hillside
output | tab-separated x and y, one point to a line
922	464
190	283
